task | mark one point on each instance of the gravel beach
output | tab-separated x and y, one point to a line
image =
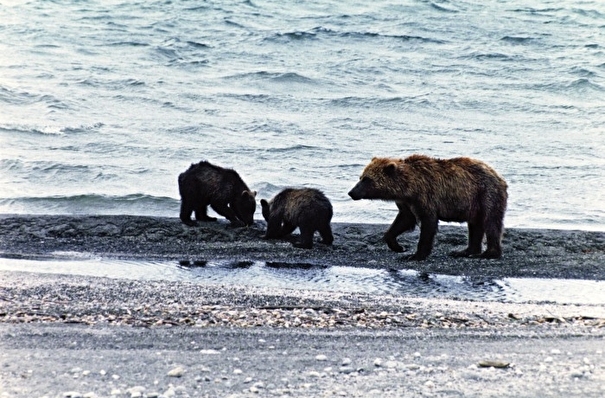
75	336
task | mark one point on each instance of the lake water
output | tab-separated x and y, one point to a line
104	103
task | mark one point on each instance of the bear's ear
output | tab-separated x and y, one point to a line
251	194
390	168
264	203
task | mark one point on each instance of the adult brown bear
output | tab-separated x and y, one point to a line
427	190
224	190
306	208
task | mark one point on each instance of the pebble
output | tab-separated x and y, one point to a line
210	352
321	357
237	372
176	372
378	362
346	361
72	394
136	392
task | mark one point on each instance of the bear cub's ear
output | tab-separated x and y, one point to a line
264	203
251	194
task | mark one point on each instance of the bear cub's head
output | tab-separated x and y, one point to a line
266	209
244	207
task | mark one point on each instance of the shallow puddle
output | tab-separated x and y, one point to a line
405	283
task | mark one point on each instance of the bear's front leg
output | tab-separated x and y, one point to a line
428	230
404	222
227	212
273	228
185	215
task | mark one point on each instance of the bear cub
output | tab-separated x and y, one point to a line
427	190
224	190
308	209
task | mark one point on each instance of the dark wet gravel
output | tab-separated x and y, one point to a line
527	253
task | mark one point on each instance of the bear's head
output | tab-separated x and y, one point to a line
244	207
379	180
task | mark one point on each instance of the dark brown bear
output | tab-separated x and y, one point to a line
307	208
427	190
205	184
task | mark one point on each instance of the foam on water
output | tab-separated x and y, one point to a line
105	103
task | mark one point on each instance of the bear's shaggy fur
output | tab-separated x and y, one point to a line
308	209
205	184
427	190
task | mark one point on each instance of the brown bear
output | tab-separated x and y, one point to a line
308	209
205	184
427	190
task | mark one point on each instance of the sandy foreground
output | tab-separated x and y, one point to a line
66	335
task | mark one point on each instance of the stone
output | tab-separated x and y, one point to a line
176	372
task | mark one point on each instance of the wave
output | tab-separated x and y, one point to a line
581	85
50	130
368	102
128	44
442	8
287	77
489	56
322	31
136	204
16	97
517	39
117	84
295	148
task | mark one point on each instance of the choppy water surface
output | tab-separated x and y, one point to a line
406	283
104	103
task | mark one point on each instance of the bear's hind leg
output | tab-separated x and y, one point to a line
306	237
494	246
475	237
326	234
493	233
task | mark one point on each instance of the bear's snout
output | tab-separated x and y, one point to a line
355	194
